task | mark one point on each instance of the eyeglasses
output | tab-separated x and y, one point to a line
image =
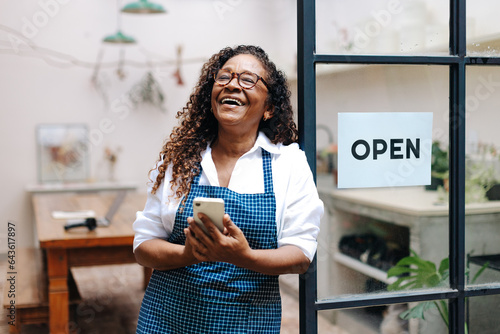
247	80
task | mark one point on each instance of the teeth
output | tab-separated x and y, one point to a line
226	100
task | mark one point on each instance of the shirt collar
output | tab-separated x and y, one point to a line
262	142
209	167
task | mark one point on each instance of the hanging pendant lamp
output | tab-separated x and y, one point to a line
143	7
119	38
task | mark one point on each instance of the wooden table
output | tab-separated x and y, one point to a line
79	246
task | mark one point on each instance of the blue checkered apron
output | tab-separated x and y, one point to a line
216	297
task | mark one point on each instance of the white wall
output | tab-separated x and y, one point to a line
40	86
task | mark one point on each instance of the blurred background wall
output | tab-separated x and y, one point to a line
55	69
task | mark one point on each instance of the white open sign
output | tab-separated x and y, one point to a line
384	149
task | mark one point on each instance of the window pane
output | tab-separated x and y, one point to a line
382	26
365	231
484	314
482	185
386	319
483	28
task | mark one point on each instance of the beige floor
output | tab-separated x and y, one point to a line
112	296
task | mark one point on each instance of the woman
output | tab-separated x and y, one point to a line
236	141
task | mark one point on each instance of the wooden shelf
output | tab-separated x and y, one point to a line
487	46
79	187
363	268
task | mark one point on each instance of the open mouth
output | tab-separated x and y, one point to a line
232	102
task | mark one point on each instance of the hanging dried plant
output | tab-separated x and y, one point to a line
100	84
149	91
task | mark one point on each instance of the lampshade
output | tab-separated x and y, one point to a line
119	38
143	7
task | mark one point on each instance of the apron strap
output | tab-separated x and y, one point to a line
268	171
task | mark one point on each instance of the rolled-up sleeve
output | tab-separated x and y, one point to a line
303	210
148	223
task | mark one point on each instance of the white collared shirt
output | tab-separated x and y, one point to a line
298	207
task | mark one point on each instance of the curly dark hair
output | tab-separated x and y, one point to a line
198	125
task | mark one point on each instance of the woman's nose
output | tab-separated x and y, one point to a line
233	83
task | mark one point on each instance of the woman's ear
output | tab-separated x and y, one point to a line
269	113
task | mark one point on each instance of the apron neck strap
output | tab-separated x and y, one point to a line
268	171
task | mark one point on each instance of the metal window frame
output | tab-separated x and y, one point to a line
457	61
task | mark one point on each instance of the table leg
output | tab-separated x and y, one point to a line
57	269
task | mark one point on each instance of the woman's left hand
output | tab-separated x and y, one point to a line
227	246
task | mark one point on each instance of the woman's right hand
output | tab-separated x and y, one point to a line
163	255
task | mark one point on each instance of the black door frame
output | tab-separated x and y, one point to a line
457	60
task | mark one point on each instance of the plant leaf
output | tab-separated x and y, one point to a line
400	270
396	285
417	312
444	266
418	262
480	272
443	311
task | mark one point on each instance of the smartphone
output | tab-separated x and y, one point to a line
212	207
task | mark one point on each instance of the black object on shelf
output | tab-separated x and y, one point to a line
372	250
493	194
435	183
493	260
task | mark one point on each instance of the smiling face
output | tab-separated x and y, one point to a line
236	108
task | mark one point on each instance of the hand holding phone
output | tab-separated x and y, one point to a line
211	207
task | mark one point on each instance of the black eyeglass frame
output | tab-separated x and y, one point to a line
237	75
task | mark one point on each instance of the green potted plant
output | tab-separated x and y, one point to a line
413	272
439	167
480	178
